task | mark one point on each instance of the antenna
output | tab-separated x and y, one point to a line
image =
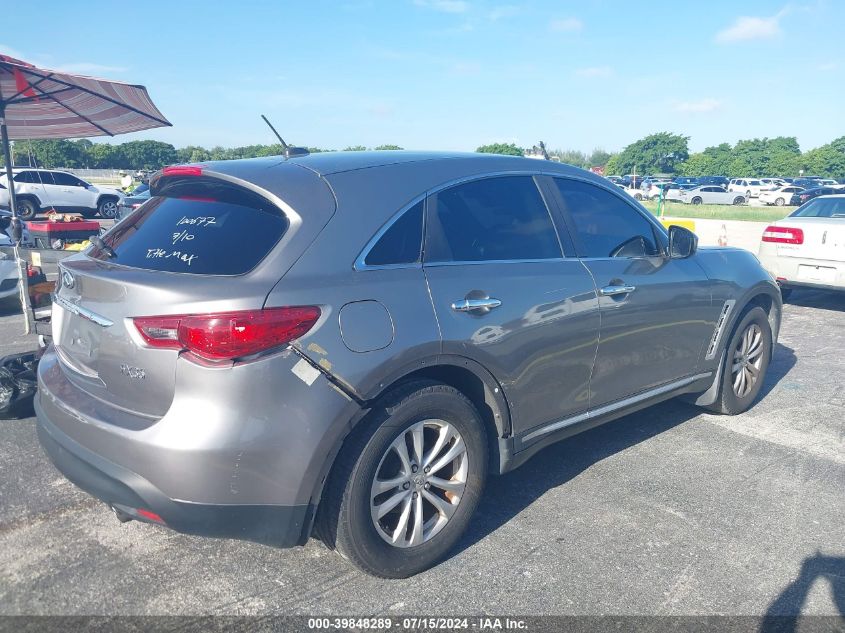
289	150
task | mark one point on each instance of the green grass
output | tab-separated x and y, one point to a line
720	211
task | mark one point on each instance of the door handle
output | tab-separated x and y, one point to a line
468	305
612	291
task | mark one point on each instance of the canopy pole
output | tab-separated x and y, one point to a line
17	229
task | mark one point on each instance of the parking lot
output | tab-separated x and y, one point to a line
668	511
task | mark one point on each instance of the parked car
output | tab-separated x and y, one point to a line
710	194
807	248
632	181
616	180
39	189
749	187
801	197
686	180
719	181
827	182
780	196
807	182
131	202
770	184
673	192
265	350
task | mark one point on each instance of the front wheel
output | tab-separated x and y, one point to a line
406	484
738	200
780	202
696	200
747	358
107	208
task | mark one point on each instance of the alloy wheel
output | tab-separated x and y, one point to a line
747	360
108	209
419	483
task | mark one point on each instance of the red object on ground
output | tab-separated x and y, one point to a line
43	233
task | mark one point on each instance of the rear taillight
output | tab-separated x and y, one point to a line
783	235
228	335
182	170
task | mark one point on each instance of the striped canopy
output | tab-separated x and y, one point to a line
41	104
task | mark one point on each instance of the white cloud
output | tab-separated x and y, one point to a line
702	105
446	6
504	11
746	28
594	71
566	25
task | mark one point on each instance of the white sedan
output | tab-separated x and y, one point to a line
710	194
807	248
780	196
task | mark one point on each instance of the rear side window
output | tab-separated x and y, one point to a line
401	242
225	231
606	225
822	208
501	218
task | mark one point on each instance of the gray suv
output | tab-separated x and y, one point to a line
347	344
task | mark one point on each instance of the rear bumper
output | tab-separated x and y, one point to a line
282	526
787	270
241	452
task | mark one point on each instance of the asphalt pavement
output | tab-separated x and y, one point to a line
667	511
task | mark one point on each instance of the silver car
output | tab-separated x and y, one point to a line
710	194
348	344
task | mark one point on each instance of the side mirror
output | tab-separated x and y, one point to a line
682	242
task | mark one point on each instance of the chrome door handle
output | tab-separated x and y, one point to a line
468	305
611	291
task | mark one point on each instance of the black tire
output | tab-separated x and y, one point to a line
107	208
27	208
696	200
344	520
728	402
739	200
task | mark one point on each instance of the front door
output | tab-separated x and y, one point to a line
656	312
507	297
71	192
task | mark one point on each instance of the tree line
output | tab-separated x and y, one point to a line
83	154
660	153
667	153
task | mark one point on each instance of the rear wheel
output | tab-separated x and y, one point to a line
780	202
404	488
696	200
27	208
746	360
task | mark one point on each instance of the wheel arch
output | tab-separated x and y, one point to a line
464	374
106	196
29	196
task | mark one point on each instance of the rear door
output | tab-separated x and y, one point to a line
656	312
507	295
37	183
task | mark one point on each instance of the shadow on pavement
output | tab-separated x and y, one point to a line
508	495
781	616
818	299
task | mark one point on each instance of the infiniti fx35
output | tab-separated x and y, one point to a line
346	345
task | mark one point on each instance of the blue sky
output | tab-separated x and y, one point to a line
455	74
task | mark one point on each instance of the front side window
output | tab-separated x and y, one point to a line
401	242
502	218
606	225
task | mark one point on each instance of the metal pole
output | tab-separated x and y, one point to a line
17	229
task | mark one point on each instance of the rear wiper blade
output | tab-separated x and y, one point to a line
97	241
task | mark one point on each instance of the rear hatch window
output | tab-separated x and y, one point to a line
199	226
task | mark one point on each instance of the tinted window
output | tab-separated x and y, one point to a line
401	243
491	219
35	177
66	180
227	235
606	225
